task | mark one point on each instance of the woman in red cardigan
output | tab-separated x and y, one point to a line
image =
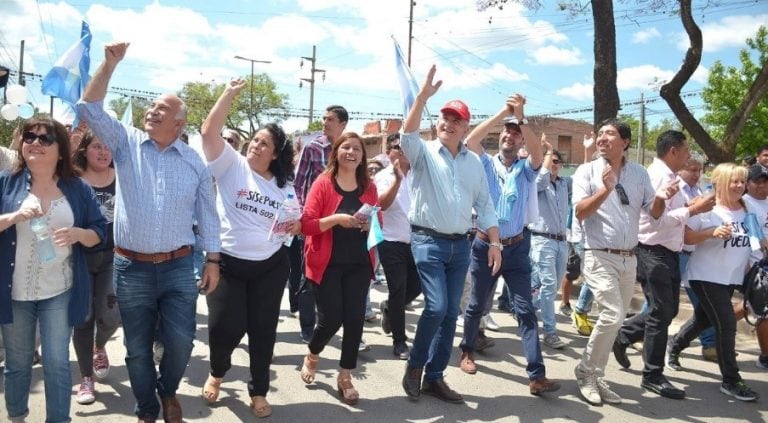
337	260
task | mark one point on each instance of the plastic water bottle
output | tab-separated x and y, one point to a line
43	240
289	211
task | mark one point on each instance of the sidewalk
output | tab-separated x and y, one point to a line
498	392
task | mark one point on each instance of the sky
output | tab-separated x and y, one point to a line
481	56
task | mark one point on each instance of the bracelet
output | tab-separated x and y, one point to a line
498	245
213	261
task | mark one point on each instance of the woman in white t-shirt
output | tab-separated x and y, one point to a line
715	269
253	268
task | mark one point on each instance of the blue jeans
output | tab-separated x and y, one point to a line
301	297
584	303
19	338
516	269
548	257
148	293
442	265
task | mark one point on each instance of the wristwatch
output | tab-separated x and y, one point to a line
498	245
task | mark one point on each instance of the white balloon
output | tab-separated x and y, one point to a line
9	111
26	110
16	94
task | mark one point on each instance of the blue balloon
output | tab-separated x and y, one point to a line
26	110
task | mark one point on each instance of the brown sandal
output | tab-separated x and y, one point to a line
260	407
309	368
211	389
349	394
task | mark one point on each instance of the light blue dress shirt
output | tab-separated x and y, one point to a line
445	188
553	203
159	192
496	175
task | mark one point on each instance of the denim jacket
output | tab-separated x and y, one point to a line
14	188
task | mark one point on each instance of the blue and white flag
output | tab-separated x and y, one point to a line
408	86
375	235
69	76
127	118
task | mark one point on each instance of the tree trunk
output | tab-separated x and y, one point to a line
605	92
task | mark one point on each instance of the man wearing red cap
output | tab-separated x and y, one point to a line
448	181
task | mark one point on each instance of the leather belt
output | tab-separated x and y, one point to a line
155	258
504	241
550	236
623	253
433	233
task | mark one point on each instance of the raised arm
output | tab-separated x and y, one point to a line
97	87
474	140
387	196
427	90
213	143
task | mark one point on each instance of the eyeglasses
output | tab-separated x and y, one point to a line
555	161
373	170
622	194
30	137
395	147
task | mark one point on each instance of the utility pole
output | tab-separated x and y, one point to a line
250	107
21	65
311	81
641	136
410	31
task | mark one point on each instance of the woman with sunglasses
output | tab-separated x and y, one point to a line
338	262
254	269
42	282
716	267
93	160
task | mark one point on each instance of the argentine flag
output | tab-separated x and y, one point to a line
408	86
69	76
375	235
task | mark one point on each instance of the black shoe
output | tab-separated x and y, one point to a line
673	358
441	390
400	349
620	352
505	308
412	382
385	325
664	388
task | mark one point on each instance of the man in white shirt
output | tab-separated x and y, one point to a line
659	267
393	185
757	203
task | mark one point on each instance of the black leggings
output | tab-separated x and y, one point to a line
714	309
247	300
341	302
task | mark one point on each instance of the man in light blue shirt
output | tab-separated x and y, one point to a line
448	181
510	178
162	184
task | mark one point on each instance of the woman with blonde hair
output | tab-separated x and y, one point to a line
715	269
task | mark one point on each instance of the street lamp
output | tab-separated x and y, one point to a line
250	112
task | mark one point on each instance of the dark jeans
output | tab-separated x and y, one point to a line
715	310
402	281
247	300
516	269
104	318
149	293
300	294
658	270
341	302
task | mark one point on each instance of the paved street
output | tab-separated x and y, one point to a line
498	392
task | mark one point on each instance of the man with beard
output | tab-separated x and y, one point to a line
510	179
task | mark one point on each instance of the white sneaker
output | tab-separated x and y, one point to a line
606	394
86	394
490	324
363	346
100	363
589	390
553	341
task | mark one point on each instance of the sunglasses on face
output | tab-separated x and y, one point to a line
373	170
30	137
622	194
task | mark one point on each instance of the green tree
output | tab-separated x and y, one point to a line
268	103
315	126
726	88
139	104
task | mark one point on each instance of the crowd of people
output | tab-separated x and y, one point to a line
103	226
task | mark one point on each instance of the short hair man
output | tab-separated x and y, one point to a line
393	184
608	195
162	184
659	266
762	156
311	163
510	179
448	181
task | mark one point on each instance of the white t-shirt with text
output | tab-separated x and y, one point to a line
722	261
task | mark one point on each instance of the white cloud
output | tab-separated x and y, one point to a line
646	35
551	55
578	91
731	31
641	77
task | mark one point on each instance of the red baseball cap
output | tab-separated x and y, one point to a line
458	108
